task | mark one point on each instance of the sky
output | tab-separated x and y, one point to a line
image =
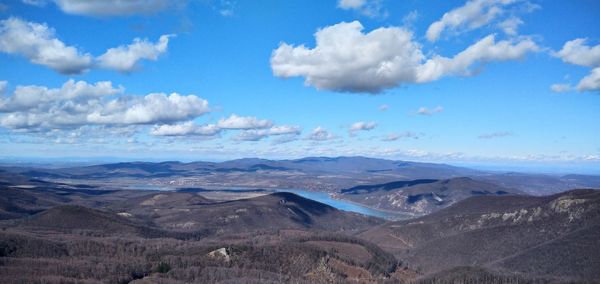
480	82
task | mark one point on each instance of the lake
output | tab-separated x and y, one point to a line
340	204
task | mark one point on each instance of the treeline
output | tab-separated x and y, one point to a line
72	258
381	263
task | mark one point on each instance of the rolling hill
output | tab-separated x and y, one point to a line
552	236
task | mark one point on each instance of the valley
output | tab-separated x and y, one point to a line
422	230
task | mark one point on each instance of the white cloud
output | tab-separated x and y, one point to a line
362	126
351	4
227	8
291	132
474	14
561	88
186	129
75	104
578	53
38	3
33	97
346	59
483	51
253	129
114	7
320	134
3	85
426	111
126	58
285	129
370	8
152	108
243	122
38	43
494	135
510	26
384	107
590	82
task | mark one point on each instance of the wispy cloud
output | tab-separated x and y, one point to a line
494	135
369	8
426	111
403	135
105	8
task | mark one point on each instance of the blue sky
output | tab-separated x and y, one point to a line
495	82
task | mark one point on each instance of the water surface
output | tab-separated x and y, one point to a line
341	204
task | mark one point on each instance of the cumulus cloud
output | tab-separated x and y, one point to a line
125	58
495	135
109	7
590	82
483	51
472	15
320	134
75	104
39	43
187	128
426	111
243	122
577	52
346	59
362	126
152	108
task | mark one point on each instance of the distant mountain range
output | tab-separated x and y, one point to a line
312	173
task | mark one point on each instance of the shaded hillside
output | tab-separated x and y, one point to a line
419	197
21	196
554	236
186	211
82	219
